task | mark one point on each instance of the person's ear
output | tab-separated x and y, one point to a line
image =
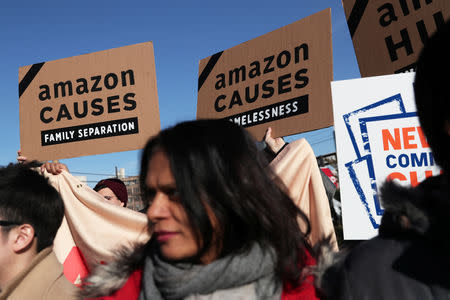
23	237
122	203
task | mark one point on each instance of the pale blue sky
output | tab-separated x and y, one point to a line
183	32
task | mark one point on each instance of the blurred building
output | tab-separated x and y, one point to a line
327	160
134	193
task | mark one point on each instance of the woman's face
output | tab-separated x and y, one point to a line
171	228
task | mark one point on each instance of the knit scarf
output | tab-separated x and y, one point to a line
249	275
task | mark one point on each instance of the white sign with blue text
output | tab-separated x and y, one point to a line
378	138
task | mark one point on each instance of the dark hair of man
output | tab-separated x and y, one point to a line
216	163
432	93
26	197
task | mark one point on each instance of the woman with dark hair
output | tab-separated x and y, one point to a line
222	225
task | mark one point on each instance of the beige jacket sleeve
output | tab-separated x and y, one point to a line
92	225
297	167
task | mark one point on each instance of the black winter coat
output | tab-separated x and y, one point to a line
410	258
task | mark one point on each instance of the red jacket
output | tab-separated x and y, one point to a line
305	291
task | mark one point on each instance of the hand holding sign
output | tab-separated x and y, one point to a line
274	144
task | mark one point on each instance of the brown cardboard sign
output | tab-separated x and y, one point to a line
94	103
280	79
388	35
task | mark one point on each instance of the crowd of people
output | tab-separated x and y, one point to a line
224	226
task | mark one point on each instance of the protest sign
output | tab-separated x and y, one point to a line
388	35
95	103
378	137
280	79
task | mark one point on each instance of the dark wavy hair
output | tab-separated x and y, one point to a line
432	93
216	162
27	197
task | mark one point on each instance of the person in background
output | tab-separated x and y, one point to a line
410	257
113	190
31	212
274	147
222	225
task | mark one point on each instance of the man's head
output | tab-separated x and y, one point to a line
31	205
432	93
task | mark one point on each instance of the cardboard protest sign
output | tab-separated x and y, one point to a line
280	79
378	137
388	35
95	103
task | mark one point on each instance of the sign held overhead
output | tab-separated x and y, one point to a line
280	79
388	35
95	103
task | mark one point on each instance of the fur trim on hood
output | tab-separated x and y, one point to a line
422	211
327	256
108	278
